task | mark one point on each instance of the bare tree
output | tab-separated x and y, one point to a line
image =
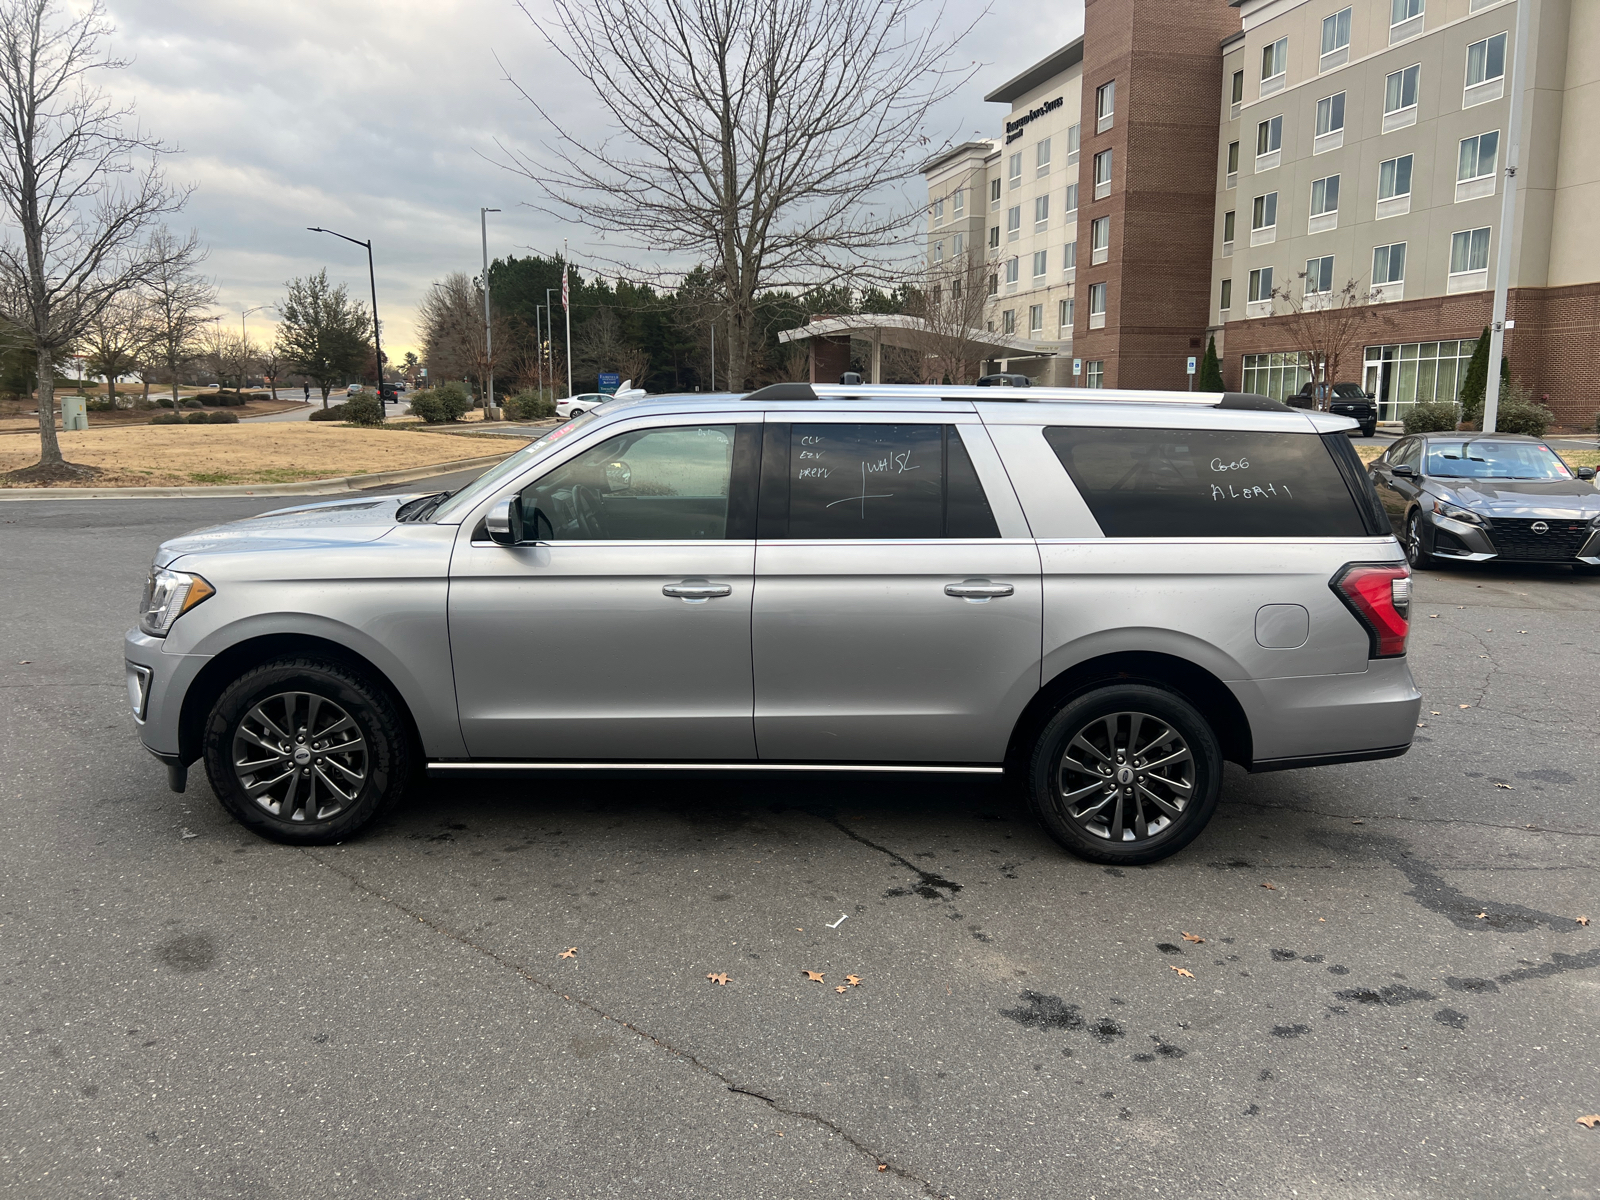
226	354
117	339
599	344
634	364
271	361
76	208
450	311
1323	325
180	301
757	137
951	305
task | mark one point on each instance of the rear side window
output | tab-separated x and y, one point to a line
1163	483
872	481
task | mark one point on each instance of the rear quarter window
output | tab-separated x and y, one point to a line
1164	483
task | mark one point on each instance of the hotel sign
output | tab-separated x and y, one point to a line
1014	128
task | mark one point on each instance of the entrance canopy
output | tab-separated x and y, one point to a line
903	332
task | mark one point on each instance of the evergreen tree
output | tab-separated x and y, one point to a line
1211	369
1477	376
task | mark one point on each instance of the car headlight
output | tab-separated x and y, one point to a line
1456	513
167	596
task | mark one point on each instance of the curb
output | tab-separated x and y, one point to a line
311	487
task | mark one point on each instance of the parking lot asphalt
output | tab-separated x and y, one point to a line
1393	995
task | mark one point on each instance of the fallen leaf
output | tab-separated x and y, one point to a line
883	1166
1522	631
841	988
24	662
814	976
1506	787
1588	1122
721	980
1271	887
1433	712
1193	937
854	980
1187	974
570	952
1483	916
1463	706
1359	821
1432	616
1583	920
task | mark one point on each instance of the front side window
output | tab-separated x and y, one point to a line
1260	285
648	485
1041	259
1319	275
1401	11
1400	88
1264	215
1036	318
883	481
1324	195
1041	211
1469	250
1014	169
1269	136
1097	299
1394	177
1486	60
1041	157
1336	31
1330	114
1275	59
1207	483
1389	264
1227	295
1478	156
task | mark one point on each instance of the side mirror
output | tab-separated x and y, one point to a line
504	522
1585	472
1403	471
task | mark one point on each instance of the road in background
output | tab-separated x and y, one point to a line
1392	995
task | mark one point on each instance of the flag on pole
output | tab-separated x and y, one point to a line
564	307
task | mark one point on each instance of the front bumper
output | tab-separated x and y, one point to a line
164	680
1331	718
1466	542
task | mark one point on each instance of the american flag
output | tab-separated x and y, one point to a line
564	288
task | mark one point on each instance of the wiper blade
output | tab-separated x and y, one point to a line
422	507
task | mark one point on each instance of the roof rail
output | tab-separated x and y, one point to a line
784	393
1253	401
806	393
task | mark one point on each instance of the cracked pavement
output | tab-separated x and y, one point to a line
1409	1010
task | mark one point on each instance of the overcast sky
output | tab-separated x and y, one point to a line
379	119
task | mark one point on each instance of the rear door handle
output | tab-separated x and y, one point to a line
695	590
977	589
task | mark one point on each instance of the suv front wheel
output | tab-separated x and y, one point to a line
306	750
1128	773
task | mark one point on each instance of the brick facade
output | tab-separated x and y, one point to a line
1167	64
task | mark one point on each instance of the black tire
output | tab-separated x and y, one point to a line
1416	552
1147	819
342	707
1370	430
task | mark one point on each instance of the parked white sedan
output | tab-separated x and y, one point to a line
575	406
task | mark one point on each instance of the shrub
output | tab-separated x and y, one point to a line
189	402
530	406
364	409
1438	417
223	418
427	406
164	402
99	405
334	412
1516	416
455	399
167	418
197	418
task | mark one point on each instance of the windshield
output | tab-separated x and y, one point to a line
1495	460
458	505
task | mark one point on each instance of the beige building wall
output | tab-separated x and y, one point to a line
1575	207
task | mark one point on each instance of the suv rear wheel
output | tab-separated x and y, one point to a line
1128	774
306	750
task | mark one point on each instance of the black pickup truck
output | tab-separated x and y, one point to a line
1347	400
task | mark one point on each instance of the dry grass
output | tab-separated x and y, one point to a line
273	452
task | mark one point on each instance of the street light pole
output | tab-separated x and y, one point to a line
377	345
244	367
538	346
550	332
1508	217
566	307
488	334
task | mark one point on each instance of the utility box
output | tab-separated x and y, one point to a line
74	414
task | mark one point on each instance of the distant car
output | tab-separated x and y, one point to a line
1471	497
576	406
353	390
213	387
398	387
1344	400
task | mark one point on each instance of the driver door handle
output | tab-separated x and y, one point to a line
978	589
694	590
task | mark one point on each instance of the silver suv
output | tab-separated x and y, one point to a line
1103	597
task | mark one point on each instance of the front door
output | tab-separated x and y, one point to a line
892	621
620	629
1397	491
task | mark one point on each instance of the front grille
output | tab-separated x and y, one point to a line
1515	538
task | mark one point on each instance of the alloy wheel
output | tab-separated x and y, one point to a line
1414	540
1126	777
299	757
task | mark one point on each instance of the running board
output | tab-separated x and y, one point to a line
450	768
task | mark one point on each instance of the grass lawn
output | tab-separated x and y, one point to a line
287	452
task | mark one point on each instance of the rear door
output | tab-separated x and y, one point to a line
1395	491
897	604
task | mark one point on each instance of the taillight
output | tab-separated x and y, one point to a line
1379	594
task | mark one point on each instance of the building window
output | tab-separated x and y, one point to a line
989	325
1105	106
1097	373
1269	136
1072	197
1013	222
1400	97
1041	158
994	237
957	245
1014	169
1389	264
1319	275
1418	373
1274	65
1227	231
1011	270
1097	306
1041	213
1036	319
1486	71
1276	375
1469	251
937	295
994	287
1008	321
1072	143
1264	219
1099	240
938	252
1330	119
1238	87
1064	317
1102	175
1260	285
959	202
1394	186
1336	33
1069	256
1478	156
994	195
955	288
1233	164
1041	261
1227	295
938	212
1324	196
1401	11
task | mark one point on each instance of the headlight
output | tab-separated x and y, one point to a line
1456	513
167	596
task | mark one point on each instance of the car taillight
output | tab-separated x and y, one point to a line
1379	594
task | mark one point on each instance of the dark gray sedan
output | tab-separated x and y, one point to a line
1470	497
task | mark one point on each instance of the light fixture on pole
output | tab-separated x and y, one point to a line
488	334
377	345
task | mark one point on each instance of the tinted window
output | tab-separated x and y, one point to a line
873	481
1207	483
648	485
